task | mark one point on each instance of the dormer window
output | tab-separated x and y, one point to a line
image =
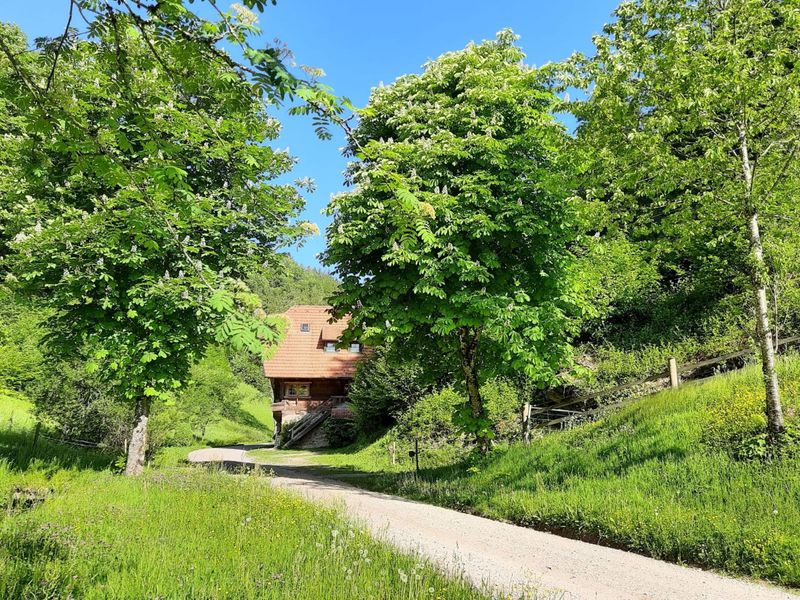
330	346
355	347
305	327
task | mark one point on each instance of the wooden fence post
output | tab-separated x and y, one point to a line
36	431
526	423
393	452
674	379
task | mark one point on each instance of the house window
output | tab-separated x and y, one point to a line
297	390
355	347
305	328
330	346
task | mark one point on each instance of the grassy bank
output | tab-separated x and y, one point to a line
71	527
253	424
667	476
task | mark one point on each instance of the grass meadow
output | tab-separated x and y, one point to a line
675	476
71	527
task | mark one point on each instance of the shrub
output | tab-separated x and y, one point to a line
385	385
431	418
80	406
286	432
502	401
340	432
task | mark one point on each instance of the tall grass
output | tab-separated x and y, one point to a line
660	476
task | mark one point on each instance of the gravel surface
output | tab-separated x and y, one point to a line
507	558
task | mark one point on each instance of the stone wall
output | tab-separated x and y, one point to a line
315	439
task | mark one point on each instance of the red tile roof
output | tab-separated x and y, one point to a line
301	354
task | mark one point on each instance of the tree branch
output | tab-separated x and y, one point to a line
59	47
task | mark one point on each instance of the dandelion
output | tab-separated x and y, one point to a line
403	576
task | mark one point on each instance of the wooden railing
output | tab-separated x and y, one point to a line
309	421
586	405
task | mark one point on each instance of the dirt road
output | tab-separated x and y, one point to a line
507	557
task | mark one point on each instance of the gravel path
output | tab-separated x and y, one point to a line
507	557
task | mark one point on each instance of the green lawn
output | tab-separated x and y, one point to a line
72	528
663	476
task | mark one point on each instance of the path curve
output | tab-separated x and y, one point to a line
507	557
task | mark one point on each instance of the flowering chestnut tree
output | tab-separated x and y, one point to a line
142	195
459	224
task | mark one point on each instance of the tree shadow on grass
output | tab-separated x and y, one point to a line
19	453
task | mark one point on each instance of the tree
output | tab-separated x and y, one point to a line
285	283
695	105
142	199
458	226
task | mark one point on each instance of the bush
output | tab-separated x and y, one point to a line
431	418
385	385
502	400
81	407
340	432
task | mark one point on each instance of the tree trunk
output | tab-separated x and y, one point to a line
758	269
468	346
138	443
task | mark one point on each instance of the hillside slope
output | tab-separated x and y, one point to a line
674	476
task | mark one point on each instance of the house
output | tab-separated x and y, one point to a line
310	376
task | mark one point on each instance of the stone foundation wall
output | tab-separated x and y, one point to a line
315	439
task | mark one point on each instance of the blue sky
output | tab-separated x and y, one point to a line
360	43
